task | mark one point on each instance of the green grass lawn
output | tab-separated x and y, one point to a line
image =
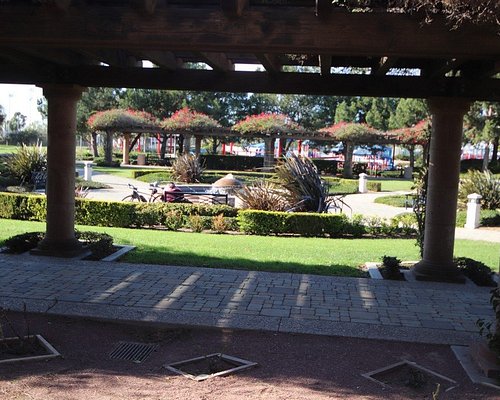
6	149
394	201
284	254
394	185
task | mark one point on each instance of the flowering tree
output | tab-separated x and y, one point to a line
418	134
123	121
118	120
270	126
186	122
350	134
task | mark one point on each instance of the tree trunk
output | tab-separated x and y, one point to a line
93	144
412	156
494	156
348	150
163	148
108	148
486	158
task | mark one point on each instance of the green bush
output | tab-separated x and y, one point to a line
25	161
483	183
101	162
476	271
374	186
305	224
355	228
100	244
173	220
23	242
196	223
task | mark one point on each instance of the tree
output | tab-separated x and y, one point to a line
350	134
92	101
409	112
117	120
482	124
17	122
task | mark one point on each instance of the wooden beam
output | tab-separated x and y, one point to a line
445	67
325	64
265	29
234	7
323	8
270	62
115	58
58	56
147	6
218	61
164	59
384	65
258	82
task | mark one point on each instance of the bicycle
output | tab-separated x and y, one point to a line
137	196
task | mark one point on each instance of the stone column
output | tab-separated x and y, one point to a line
60	232
442	190
126	146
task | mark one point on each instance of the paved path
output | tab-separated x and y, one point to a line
283	302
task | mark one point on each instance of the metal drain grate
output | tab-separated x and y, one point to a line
129	351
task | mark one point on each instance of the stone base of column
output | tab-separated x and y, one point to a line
437	272
65	249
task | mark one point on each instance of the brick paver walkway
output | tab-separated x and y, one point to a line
414	311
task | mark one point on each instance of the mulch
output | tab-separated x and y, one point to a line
290	366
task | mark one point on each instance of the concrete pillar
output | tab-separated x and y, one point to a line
362	184
126	147
87	170
268	153
442	191
473	211
61	135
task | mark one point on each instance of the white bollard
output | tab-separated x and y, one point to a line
362	187
473	210
87	170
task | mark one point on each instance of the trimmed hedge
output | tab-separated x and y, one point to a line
109	213
304	224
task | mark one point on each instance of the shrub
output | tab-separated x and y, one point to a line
476	271
374	186
356	227
261	222
26	160
100	244
173	220
187	168
304	224
391	267
219	224
101	162
23	242
300	178
263	195
483	183
196	224
406	224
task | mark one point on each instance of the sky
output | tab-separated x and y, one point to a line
21	98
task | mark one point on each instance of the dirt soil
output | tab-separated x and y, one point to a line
290	366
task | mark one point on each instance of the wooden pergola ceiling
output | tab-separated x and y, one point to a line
380	53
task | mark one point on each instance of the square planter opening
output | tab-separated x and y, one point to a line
209	366
410	378
27	348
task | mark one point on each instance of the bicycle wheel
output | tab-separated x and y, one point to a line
131	198
157	198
